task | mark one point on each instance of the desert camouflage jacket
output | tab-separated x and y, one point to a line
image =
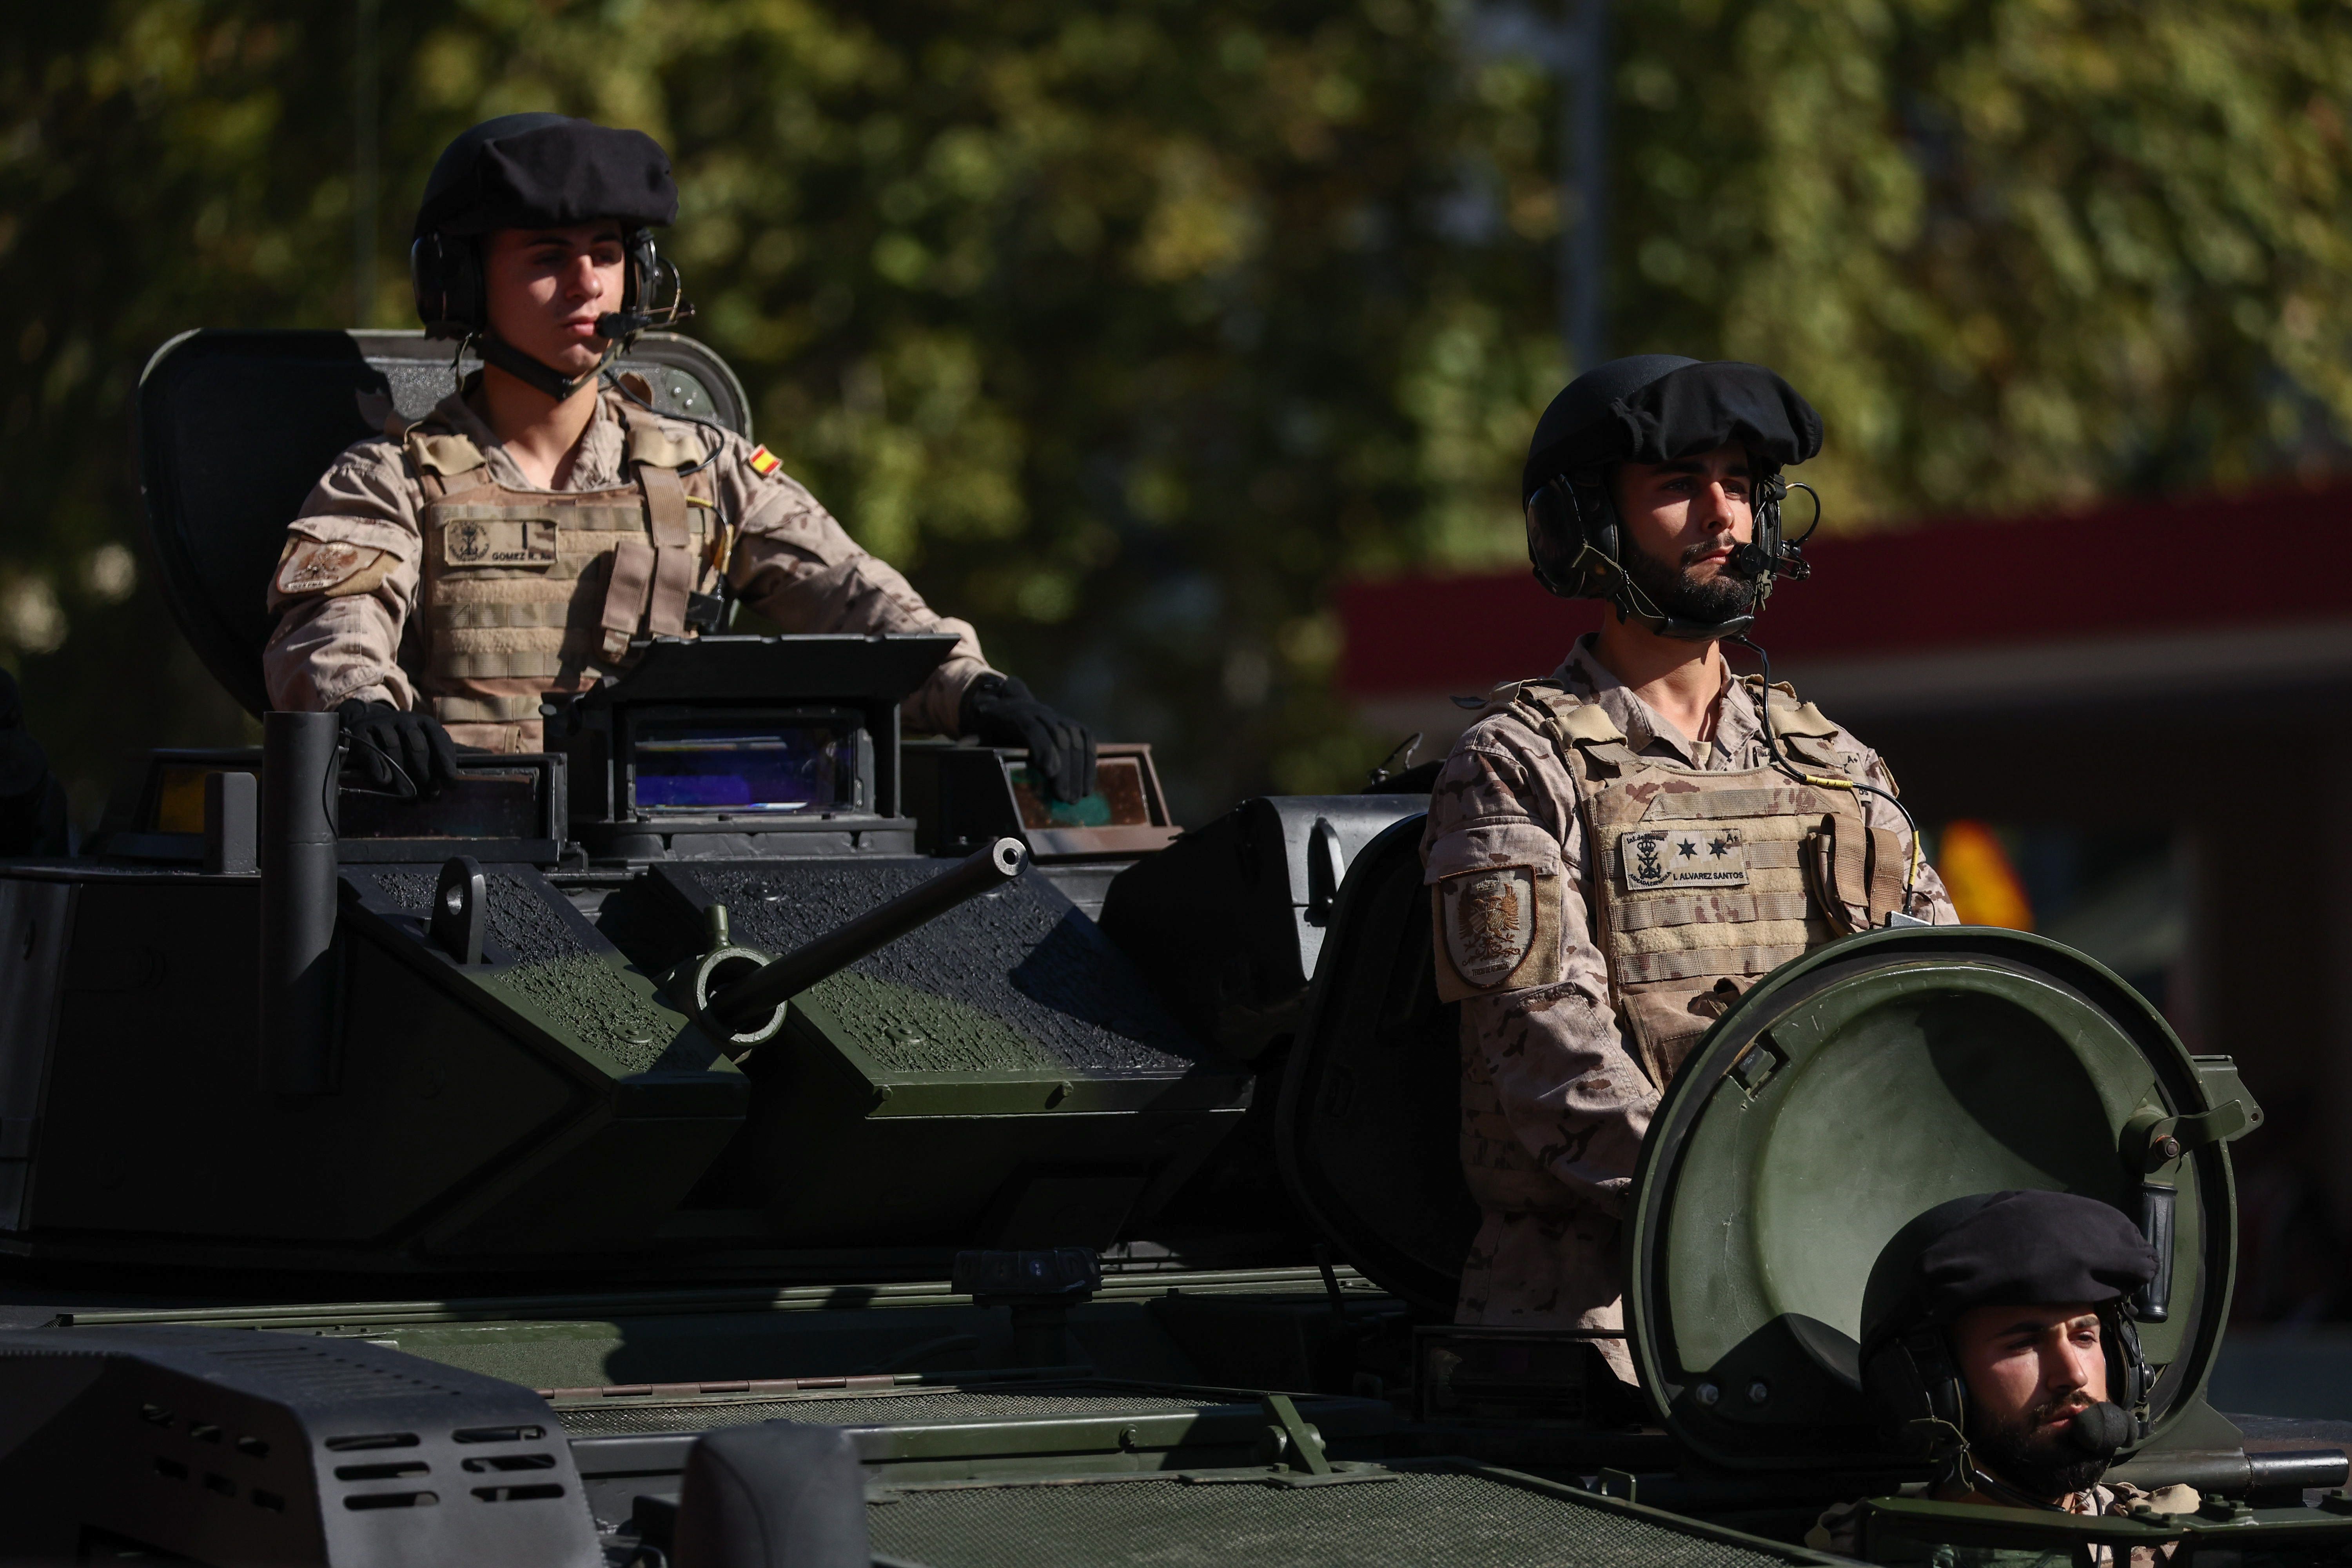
341	635
1546	1068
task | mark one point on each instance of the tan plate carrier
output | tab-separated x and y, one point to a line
528	594
1702	883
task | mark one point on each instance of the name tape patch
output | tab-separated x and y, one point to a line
498	542
1696	855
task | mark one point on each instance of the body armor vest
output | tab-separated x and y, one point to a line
1698	884
1702	883
526	593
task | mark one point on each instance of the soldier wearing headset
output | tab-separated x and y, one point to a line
1998	1342
445	579
1616	852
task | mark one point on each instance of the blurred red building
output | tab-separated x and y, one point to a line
2145	698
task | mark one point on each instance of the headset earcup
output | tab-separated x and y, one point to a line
444	272
470	291
1770	492
425	278
2127	1372
1553	539
1892	1383
1947	1395
637	277
1599	515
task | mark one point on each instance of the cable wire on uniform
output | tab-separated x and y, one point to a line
1821	781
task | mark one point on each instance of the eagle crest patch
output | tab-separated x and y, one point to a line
1490	923
331	567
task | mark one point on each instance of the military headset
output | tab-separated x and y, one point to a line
452	289
1576	544
1915	1383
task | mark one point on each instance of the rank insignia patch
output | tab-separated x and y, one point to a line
1694	854
1490	922
764	462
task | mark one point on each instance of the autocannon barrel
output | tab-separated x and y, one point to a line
757	993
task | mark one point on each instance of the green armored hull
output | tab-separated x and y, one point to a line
504	1178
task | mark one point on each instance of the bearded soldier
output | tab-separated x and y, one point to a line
445	579
1616	852
1999	1341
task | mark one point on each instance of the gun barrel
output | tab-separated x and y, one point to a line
757	993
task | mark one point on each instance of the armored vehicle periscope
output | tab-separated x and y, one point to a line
740	1135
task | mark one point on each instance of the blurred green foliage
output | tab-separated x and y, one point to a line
1128	328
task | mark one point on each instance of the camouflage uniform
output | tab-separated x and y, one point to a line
347	587
1839	1528
1558	1084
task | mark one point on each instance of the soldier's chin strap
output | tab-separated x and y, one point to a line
537	373
1630	604
1957	1469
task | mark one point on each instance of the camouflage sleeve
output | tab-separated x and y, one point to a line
1548	1086
797	566
344	586
1929	901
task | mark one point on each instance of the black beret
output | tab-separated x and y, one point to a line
2029	1249
545	171
1654	408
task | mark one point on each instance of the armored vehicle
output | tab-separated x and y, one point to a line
743	1134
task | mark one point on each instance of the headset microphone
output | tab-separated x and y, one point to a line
2100	1430
1748	562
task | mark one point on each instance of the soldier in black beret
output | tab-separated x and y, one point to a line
1999	1341
1590	939
517	544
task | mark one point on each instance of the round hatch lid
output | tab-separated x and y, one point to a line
1855	1088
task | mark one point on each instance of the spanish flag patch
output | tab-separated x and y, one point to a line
764	462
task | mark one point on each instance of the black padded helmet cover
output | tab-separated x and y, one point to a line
2012	1249
1654	408
546	171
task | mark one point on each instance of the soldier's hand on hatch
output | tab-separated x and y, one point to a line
390	745
998	710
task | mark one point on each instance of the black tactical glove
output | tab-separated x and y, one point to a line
32	803
403	752
998	711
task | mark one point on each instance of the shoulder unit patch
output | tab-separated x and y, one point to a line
329	567
1496	932
764	462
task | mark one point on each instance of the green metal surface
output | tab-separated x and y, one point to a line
1442	1516
1850	1092
1909	1531
730	1336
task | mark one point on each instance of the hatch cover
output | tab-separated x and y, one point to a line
1852	1091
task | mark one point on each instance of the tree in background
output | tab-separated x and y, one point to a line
1127	327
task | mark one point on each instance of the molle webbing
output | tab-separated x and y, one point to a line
529	592
652	580
1679	953
487	710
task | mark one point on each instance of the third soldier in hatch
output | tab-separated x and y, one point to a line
445	580
1618	851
